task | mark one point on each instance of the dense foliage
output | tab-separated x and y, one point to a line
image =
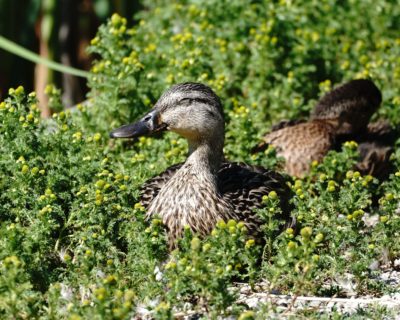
74	241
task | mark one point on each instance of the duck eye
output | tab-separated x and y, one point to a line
186	100
147	118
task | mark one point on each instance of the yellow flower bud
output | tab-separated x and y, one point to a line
273	195
250	243
306	232
195	243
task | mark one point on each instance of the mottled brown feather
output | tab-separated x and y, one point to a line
301	144
240	185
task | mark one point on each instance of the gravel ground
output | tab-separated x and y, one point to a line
286	306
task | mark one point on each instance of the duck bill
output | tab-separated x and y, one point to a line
149	124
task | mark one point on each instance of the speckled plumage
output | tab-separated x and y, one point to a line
203	189
233	193
301	144
342	113
351	104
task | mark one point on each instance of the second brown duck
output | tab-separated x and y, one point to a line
340	115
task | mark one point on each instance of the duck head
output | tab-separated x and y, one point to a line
192	110
351	105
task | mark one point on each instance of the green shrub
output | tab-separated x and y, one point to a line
74	241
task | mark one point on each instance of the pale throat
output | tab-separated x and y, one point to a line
206	154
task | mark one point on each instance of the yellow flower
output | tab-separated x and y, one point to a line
95	41
100	293
384	219
170	78
206	247
100	184
291	245
273	195
389	196
351	144
349	174
151	47
345	65
250	243
247	315
315	36
358	213
331	188
156	222
241	225
138	206
110	279
25	168
129	295
221	224
170	265
289	231
97	137
356	175
306	232
231	223
195	244
12	260
116	19
319	237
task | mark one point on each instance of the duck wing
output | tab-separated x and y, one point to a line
301	144
243	186
262	146
352	104
356	99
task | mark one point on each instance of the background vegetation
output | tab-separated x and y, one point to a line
57	30
74	241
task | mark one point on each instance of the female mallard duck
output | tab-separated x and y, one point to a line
342	112
204	189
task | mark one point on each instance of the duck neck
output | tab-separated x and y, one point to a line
206	155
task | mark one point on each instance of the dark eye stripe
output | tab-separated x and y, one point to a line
201	100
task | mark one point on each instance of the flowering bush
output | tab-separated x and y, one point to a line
74	241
